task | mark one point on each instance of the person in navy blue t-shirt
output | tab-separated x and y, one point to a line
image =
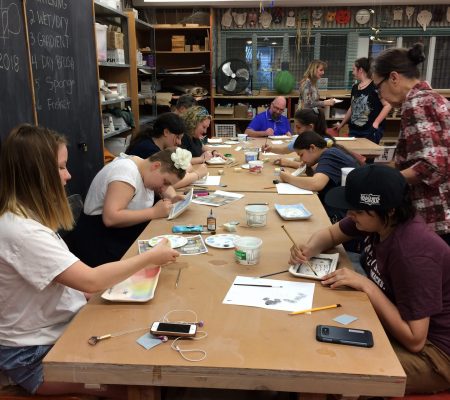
271	122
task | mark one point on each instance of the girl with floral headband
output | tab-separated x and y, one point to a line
122	200
197	121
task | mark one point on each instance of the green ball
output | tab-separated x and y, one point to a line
284	82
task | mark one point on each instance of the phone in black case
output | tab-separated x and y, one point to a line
340	335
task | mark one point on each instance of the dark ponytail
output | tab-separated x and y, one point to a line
364	63
316	117
308	138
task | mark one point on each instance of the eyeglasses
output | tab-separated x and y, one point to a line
378	85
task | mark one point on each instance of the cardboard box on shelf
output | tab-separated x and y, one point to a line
178	42
114	40
222	111
240	111
195	47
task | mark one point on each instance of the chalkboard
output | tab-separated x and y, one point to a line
64	65
16	99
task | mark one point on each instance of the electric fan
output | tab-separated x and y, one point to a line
233	76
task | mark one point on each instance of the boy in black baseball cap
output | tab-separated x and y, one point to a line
407	266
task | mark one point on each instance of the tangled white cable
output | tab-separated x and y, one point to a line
176	347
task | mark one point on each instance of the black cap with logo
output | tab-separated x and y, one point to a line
372	187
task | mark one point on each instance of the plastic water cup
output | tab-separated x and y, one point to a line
250	156
256	215
256	166
242	137
344	173
247	250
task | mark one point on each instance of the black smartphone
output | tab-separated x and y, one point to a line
340	335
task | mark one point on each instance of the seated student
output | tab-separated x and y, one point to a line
308	119
41	281
271	122
167	131
197	121
121	201
407	265
328	159
184	102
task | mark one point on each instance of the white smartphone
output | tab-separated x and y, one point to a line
173	329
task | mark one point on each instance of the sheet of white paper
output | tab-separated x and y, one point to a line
286	188
277	142
220	145
270	154
213	180
215	140
277	295
344	138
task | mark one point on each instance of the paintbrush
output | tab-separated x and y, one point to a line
295	245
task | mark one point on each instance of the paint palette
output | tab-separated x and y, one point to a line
174	240
223	241
138	288
322	264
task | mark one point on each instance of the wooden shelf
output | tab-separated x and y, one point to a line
179	26
115	101
113	65
142	25
116	132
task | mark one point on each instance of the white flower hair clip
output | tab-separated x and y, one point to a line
181	158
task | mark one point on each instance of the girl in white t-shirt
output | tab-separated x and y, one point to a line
121	201
41	281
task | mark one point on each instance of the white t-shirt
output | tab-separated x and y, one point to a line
34	310
123	169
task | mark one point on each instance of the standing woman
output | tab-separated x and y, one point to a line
167	131
367	111
41	281
309	94
197	121
422	153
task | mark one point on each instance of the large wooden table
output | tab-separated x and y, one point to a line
247	348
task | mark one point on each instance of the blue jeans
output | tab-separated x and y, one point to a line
23	365
372	134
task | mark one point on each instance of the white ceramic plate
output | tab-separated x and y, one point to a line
245	166
216	160
223	241
175	240
292	211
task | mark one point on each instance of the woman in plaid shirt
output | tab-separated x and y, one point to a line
422	152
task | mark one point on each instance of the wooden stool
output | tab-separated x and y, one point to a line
17	393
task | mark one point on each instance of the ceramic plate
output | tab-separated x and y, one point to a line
139	287
292	211
216	160
223	241
245	166
175	240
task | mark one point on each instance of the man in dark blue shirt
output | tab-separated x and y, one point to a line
271	122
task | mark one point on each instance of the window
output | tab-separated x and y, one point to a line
333	50
441	77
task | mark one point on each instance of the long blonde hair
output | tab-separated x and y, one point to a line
30	185
311	71
193	116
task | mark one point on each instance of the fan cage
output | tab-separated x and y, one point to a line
225	130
